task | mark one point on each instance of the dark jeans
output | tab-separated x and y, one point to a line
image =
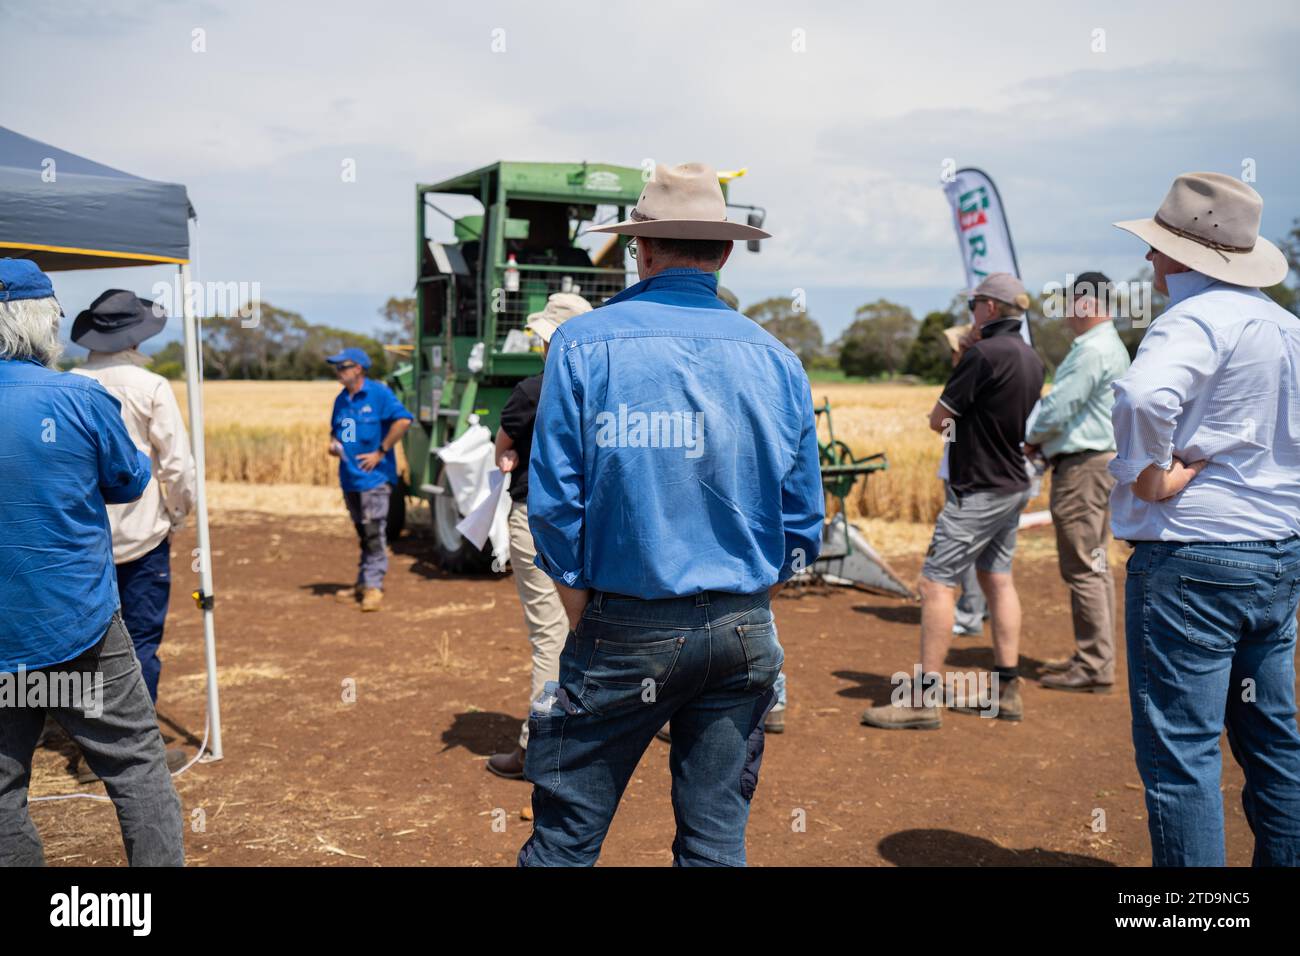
144	587
122	745
1211	642
708	664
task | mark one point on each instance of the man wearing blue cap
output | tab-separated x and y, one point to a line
367	424
65	454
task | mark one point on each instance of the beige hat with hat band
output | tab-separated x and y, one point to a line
1209	222
682	202
560	307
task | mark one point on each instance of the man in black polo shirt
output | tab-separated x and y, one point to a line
548	624
982	412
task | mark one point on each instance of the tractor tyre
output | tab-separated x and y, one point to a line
454	553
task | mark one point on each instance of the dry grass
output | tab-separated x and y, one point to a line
267	433
265	404
892	419
275	433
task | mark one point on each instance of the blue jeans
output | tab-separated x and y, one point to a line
144	588
1211	642
708	663
779	689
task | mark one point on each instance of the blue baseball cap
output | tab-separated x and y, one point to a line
358	356
23	279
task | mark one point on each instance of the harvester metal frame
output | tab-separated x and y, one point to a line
847	557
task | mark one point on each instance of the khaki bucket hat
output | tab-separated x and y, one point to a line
1210	222
560	307
682	202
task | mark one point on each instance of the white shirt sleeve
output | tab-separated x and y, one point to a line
171	446
1178	357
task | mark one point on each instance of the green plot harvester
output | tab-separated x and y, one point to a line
516	237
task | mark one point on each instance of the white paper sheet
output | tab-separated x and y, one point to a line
477	525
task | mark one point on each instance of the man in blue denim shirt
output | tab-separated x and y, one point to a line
674	484
1207	472
64	454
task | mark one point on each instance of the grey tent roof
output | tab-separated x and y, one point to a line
67	212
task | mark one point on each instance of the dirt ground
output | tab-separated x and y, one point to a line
441	682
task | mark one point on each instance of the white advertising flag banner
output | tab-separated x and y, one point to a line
982	230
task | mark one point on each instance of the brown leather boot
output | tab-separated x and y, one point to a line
1078	680
371	599
510	766
895	717
1058	665
1010	706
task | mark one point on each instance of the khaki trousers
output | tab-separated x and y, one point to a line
1080	503
548	625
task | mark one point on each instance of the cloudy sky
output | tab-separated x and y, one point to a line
843	112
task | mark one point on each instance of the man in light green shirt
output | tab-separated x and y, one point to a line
1072	428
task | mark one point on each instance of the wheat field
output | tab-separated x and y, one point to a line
275	433
267	433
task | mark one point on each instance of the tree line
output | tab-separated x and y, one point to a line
281	344
885	340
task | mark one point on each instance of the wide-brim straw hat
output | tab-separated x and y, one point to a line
682	202
1210	222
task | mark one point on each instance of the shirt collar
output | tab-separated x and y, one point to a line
1184	285
124	357
690	281
1000	327
1094	332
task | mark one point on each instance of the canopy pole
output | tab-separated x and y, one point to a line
194	395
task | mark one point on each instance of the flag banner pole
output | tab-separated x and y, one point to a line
983	233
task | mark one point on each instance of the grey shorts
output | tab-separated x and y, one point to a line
979	529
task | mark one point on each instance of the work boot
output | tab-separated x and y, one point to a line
893	716
510	766
371	599
348	595
82	772
1010	706
1078	680
1058	665
774	722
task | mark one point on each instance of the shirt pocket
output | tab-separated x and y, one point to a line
1214	612
623	674
764	656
